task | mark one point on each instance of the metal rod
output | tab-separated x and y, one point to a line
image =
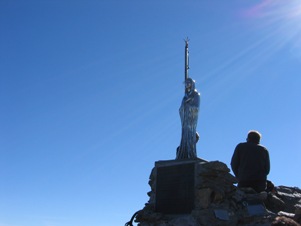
186	58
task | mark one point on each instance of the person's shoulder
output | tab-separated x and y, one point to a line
241	145
262	147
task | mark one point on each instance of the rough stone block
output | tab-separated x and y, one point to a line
203	198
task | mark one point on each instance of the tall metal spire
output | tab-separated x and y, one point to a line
186	58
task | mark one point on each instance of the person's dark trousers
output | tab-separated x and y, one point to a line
257	185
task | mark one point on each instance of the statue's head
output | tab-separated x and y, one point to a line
189	85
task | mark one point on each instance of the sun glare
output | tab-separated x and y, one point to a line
282	18
279	8
295	11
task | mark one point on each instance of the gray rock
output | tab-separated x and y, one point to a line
218	202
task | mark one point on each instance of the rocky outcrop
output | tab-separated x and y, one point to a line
218	202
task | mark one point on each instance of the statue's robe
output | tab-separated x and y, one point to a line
189	117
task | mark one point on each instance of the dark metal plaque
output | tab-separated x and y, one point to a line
175	189
255	207
256	210
222	214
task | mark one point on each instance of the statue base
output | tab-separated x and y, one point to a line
198	192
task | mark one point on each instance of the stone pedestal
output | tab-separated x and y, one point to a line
198	193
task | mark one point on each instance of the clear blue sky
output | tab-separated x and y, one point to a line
90	92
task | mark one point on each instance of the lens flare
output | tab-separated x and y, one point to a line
282	19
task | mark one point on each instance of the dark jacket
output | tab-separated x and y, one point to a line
250	162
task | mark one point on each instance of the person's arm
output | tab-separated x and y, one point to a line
235	161
267	163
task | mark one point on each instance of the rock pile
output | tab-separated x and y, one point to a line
218	202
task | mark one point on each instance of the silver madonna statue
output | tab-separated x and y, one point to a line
189	117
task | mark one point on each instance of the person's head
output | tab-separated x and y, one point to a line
254	137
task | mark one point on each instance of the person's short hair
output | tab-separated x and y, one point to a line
254	136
